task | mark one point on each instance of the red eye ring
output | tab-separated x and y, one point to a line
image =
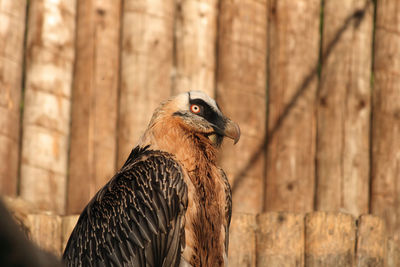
195	108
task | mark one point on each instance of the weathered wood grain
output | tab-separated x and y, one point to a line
46	118
242	240
241	93
12	21
280	239
67	225
146	67
293	61
385	191
45	231
20	209
195	46
16	249
329	239
393	254
344	107
93	145
371	242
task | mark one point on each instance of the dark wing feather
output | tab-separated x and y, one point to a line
228	208
136	219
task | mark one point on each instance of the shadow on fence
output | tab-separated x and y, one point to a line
355	18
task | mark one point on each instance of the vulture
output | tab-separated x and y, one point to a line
169	204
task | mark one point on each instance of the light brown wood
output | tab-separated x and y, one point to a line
293	61
242	240
330	239
67	225
371	242
393	254
241	93
20	209
385	191
93	145
280	239
46	118
45	231
12	21
344	108
146	62
195	45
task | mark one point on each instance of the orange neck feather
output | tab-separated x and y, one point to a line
169	134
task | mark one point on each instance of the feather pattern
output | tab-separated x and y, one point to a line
228	207
136	218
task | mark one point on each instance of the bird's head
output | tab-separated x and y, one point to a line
198	113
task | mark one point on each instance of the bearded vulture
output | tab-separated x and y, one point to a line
170	204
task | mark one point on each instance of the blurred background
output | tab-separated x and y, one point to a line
313	84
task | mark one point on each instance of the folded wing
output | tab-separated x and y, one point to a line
136	219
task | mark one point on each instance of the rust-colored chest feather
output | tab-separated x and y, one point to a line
207	221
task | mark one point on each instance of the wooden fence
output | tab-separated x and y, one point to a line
313	239
269	239
314	85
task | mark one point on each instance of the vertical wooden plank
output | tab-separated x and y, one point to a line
241	93
330	239
67	225
344	107
12	29
45	231
385	191
371	242
242	240
195	42
293	60
93	145
393	254
146	62
280	239
46	118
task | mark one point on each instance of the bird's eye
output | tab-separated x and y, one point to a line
195	108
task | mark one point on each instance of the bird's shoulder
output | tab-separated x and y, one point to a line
144	170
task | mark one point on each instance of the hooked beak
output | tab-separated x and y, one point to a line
232	130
